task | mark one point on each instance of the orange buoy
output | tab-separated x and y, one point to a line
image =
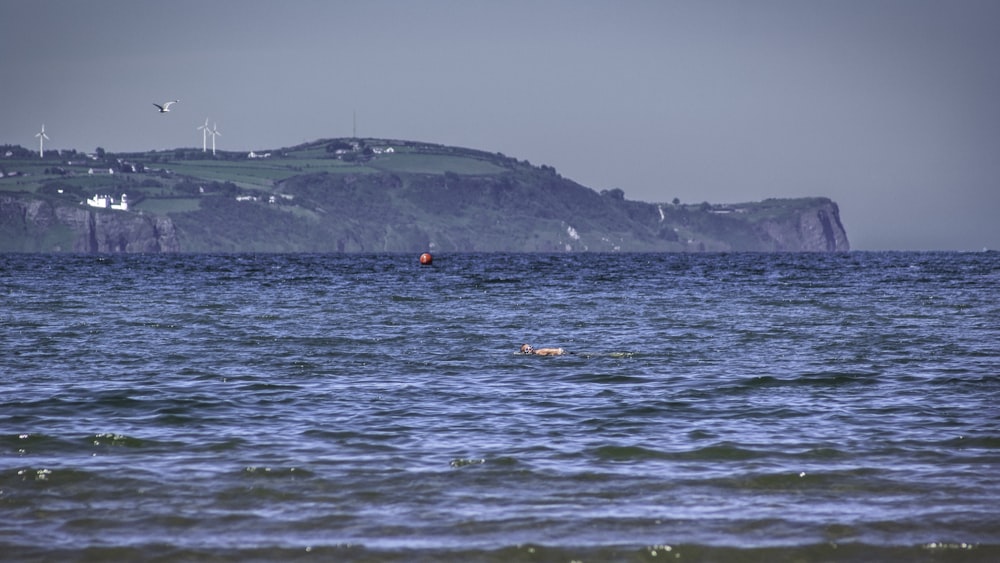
426	258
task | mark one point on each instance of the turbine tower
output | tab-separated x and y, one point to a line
214	132
204	135
41	142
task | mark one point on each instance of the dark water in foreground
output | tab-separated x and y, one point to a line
739	407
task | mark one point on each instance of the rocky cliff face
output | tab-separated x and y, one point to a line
486	219
813	229
36	225
534	211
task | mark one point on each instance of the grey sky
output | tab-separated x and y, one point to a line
890	107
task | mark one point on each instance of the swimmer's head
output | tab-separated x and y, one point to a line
527	349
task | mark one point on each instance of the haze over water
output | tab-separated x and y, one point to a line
718	407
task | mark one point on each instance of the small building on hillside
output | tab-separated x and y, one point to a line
107	202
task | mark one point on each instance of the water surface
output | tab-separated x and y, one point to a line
720	407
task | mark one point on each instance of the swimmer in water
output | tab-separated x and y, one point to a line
527	349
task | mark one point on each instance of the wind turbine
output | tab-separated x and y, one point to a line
214	132
204	135
41	142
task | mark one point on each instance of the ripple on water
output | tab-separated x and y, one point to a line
249	407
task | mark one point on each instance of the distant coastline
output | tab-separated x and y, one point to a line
367	195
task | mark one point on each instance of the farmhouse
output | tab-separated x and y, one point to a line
107	202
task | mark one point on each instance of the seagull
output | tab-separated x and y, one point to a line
165	107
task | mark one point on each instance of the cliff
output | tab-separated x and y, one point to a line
815	228
37	225
531	213
375	195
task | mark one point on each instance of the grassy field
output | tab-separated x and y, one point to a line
260	174
417	163
314	152
21	184
162	206
166	170
221	171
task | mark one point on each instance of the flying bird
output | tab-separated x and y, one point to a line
165	107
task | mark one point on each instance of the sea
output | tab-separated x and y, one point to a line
363	407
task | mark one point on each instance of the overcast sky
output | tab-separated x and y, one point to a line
889	107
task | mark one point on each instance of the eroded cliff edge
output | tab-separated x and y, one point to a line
485	220
37	225
815	228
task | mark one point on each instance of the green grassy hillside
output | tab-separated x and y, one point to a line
378	195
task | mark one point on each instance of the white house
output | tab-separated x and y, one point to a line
107	202
123	206
102	201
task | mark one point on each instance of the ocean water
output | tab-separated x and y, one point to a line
713	407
